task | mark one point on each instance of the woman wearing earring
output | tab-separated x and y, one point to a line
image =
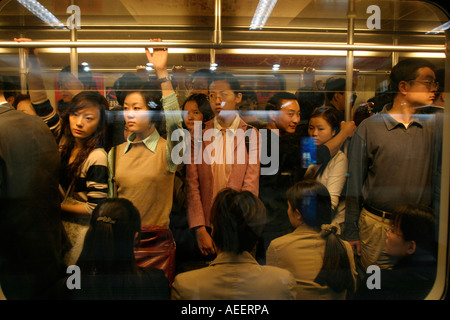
84	174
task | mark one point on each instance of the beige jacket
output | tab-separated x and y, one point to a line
301	252
234	277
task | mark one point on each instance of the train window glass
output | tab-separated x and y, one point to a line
293	46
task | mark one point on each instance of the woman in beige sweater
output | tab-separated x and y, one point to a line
142	169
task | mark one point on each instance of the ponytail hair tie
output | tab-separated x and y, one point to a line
326	229
106	220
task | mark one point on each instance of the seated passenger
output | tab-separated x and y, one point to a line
322	264
237	219
324	125
410	239
107	262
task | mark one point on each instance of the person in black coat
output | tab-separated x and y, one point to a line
411	241
32	238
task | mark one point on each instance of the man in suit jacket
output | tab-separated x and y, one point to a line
219	167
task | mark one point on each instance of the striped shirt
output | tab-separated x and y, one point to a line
92	185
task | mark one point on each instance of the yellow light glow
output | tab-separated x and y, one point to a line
110	50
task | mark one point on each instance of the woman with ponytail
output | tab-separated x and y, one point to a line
107	263
322	263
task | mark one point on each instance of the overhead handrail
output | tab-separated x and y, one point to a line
223	45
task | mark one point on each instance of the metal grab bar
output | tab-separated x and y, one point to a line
224	45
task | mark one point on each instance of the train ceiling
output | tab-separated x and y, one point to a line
405	23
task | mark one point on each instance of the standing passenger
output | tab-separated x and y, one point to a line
84	174
31	233
324	124
205	179
141	169
335	94
195	108
391	161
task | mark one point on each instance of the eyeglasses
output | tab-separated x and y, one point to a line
429	84
393	230
222	96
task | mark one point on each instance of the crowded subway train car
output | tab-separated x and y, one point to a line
224	150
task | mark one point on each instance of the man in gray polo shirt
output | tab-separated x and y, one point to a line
391	161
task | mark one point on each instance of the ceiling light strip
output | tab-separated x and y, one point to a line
42	13
262	13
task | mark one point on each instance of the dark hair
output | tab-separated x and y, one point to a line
237	219
127	82
249	94
96	140
203	73
109	245
308	101
331	115
334	85
9	87
274	102
230	79
313	201
417	224
19	98
440	78
203	105
406	70
110	239
85	76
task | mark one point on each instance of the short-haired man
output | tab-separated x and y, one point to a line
205	178
335	94
391	161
